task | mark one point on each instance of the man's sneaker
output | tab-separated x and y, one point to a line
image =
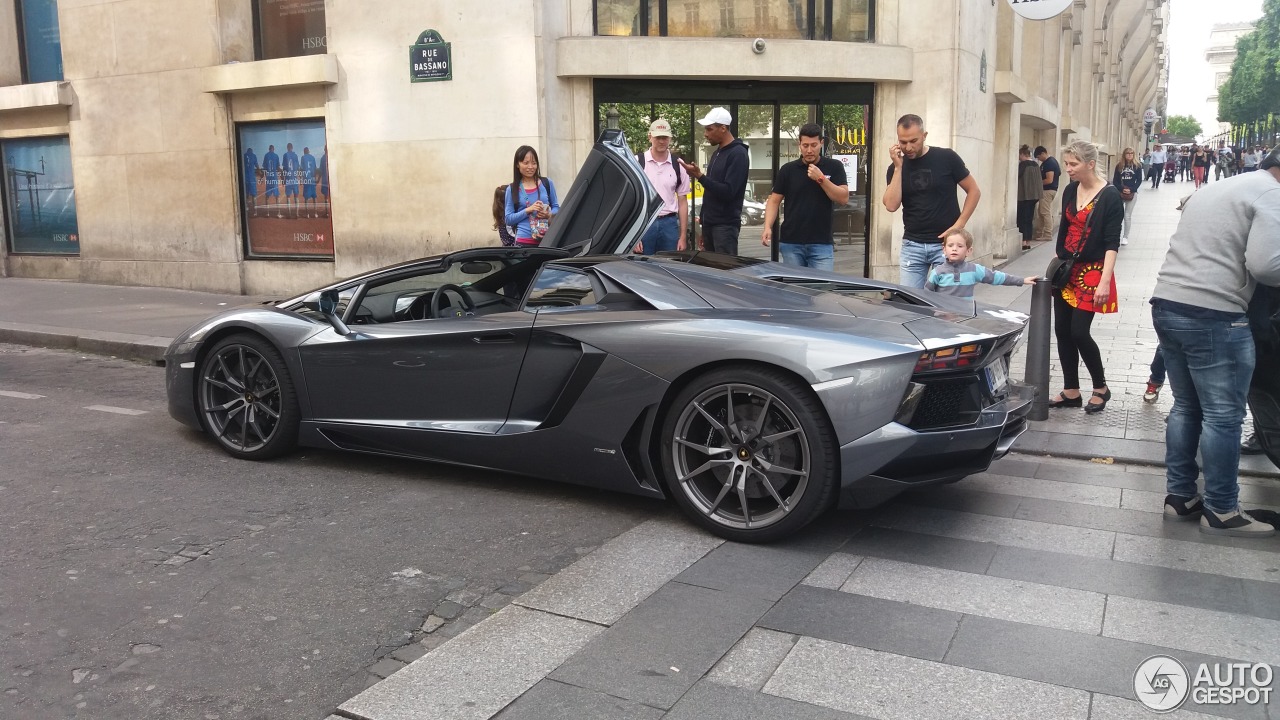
1236	523
1250	445
1124	241
1177	507
1153	392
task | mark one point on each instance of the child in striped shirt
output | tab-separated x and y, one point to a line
957	276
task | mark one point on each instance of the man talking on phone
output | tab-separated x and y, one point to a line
923	181
723	184
810	187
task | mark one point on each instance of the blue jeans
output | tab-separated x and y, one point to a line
1210	363
1157	367
663	235
915	259
819	256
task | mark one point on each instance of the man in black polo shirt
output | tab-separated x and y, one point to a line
809	186
1050	173
922	181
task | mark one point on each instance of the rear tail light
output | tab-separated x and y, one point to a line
956	357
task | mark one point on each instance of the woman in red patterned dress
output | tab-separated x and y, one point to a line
1092	218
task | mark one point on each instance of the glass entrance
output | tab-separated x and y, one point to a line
767	117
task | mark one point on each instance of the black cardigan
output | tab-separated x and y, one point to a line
1101	230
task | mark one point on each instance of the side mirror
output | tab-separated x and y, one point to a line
329	306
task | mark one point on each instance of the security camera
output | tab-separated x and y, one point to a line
757	46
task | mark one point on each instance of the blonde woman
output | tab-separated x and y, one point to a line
1128	180
1089	236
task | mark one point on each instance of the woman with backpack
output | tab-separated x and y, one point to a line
531	199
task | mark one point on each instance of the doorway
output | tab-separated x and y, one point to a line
767	117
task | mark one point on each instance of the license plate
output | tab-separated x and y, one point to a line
997	375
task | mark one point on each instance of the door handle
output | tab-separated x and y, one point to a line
496	339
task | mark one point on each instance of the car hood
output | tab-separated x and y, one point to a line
610	204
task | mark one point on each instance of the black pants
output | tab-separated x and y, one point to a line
1026	218
1071	327
1157	174
721	238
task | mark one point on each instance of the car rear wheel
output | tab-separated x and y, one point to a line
246	398
749	454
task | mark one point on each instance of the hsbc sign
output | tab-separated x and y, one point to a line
1039	9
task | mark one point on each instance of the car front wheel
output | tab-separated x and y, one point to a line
749	454
247	399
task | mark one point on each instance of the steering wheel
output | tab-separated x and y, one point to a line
438	301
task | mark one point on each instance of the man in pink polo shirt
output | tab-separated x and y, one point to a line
668	231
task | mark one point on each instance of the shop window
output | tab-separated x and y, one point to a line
39	196
39	40
284	189
289	28
846	20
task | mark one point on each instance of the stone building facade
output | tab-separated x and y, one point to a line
268	146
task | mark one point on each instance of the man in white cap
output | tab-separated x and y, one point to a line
723	184
667	233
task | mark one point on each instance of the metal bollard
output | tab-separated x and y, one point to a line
1037	372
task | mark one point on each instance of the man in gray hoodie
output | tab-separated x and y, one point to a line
1227	241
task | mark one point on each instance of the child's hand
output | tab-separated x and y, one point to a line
1031	279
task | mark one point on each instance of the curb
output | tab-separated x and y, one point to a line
1040	443
143	348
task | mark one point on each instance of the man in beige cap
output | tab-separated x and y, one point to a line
667	233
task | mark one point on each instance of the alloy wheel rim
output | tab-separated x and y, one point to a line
240	398
741	456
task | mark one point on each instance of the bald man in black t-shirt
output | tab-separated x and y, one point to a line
922	181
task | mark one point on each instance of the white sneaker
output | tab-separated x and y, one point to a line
1124	241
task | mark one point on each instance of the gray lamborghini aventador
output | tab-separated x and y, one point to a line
756	395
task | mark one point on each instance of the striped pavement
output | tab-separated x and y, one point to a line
1034	590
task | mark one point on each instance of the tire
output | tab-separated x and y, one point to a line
246	398
789	461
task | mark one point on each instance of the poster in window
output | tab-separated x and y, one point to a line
284	180
40	196
289	28
41	40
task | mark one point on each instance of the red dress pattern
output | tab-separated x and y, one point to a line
1085	274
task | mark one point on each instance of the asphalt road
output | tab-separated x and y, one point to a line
145	574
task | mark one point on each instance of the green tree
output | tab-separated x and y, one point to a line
1182	125
1252	92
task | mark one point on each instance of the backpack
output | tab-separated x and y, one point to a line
675	163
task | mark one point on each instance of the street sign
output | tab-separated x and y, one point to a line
1149	116
1039	9
429	58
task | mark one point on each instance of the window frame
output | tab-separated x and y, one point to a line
7	230
238	164
645	8
255	11
24	64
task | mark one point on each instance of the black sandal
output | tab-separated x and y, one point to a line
1093	407
1064	401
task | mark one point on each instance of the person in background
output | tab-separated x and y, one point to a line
724	184
500	216
1158	159
662	167
1029	192
1199	165
957	276
1128	180
810	186
531	200
1050	175
1092	220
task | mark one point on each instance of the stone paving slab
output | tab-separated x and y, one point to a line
608	583
894	687
479	672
